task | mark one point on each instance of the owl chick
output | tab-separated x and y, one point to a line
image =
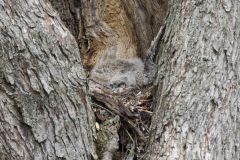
119	74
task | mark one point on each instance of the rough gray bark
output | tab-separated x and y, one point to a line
44	109
69	11
197	112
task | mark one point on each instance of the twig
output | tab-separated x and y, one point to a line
97	105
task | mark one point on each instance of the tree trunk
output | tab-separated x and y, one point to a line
197	111
44	109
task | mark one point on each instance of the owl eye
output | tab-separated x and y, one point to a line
113	85
122	84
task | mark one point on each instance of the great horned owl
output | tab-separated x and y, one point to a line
119	73
127	73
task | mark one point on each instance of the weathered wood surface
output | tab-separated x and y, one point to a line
197	113
44	109
147	17
122	29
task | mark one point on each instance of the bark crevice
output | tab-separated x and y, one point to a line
121	30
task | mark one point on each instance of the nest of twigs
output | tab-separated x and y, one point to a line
134	107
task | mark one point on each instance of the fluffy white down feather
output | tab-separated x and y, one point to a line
119	73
